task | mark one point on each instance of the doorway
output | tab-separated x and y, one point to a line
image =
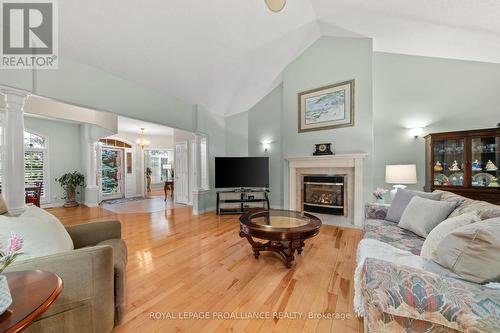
181	194
112	173
158	171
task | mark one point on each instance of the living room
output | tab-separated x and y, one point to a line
274	131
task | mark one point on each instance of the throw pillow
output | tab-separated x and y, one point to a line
402	199
443	229
472	251
42	232
422	215
3	205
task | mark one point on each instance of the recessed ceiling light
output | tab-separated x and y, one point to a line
275	5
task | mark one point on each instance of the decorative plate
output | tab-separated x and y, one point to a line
456	178
440	179
482	179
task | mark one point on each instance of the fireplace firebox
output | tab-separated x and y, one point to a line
324	194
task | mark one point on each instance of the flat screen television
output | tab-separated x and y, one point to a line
241	172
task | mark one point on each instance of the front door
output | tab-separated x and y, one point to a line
181	180
112	172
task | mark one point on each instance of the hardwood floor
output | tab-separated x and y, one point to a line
181	265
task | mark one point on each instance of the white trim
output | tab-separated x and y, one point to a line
176	172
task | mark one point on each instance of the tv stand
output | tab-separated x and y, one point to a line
241	199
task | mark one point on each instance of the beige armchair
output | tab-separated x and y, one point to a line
93	275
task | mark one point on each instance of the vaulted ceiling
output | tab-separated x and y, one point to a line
227	54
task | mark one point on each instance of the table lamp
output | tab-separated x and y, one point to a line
400	174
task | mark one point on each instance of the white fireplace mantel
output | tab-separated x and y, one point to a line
354	161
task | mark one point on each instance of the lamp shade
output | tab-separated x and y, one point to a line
401	174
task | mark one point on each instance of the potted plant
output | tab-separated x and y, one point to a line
149	172
379	195
7	257
70	182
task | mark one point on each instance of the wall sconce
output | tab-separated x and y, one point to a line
416	131
266	145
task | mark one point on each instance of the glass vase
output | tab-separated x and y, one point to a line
5	297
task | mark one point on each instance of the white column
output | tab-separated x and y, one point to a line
200	195
196	146
358	192
13	165
91	166
89	157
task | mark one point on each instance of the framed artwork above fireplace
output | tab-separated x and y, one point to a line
327	107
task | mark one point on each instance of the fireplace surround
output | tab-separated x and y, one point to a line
349	166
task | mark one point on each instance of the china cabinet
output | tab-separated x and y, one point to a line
464	162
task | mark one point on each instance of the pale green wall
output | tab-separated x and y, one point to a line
274	118
64	150
83	85
214	126
328	61
264	123
237	135
440	94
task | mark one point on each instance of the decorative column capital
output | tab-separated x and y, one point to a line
14	99
197	136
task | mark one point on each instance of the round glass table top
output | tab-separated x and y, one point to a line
279	219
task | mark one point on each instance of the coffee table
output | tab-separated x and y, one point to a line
33	292
284	231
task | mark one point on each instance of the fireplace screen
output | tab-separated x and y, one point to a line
324	194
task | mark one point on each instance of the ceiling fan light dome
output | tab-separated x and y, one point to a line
275	5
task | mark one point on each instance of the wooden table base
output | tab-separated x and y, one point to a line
285	248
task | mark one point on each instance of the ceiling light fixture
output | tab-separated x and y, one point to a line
142	142
275	5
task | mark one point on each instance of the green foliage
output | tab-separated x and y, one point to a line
71	180
7	259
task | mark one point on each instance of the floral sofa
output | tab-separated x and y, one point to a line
399	298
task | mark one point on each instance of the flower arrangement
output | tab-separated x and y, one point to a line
8	255
378	193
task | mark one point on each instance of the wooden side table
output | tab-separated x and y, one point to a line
33	292
169	185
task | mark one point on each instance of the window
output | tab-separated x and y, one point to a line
36	162
158	160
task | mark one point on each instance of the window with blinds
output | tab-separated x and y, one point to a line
34	168
35	161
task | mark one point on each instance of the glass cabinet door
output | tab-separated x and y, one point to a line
448	168
485	161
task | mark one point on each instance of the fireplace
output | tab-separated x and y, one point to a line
324	194
347	166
